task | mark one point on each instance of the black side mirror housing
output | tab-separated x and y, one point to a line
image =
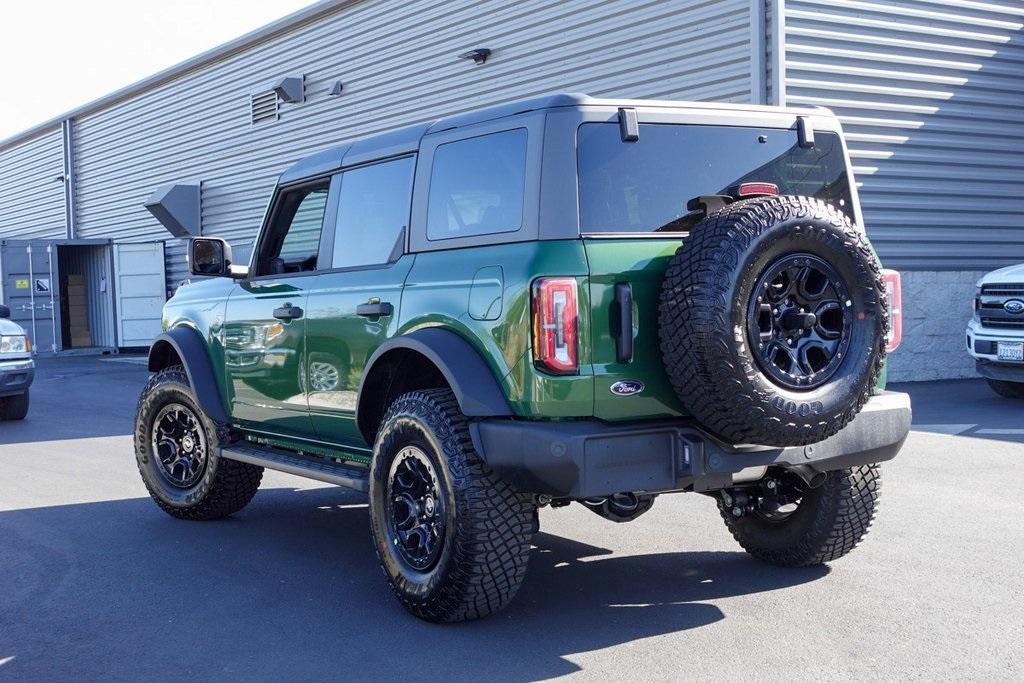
209	257
4	311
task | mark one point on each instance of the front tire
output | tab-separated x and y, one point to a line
176	448
828	522
1007	389
14	407
453	539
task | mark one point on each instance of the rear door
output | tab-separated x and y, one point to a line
353	307
633	197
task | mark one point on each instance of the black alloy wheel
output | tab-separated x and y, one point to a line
415	509
179	442
799	321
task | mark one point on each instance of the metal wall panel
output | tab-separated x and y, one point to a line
31	191
930	95
399	64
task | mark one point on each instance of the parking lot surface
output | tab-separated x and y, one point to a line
96	582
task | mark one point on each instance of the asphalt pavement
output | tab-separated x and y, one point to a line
97	583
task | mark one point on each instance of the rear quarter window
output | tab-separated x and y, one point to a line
477	186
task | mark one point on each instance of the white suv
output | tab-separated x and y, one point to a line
995	335
16	368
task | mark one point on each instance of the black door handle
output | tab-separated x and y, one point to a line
288	312
623	322
375	309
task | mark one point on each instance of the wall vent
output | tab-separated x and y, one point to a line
263	107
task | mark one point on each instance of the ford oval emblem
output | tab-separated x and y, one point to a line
1014	306
627	387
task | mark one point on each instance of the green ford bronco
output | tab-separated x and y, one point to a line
558	300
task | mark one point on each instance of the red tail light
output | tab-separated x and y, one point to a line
555	331
894	293
748	189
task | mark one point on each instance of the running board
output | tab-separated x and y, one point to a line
311	467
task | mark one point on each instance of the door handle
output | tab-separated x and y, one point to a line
623	322
375	309
288	312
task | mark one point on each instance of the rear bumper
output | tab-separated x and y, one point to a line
16	376
588	458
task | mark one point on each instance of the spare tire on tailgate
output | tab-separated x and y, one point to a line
773	321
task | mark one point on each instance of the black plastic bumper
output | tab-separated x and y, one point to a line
1007	372
15	377
588	458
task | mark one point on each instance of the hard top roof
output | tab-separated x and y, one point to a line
405	140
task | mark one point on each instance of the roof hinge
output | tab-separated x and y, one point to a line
629	125
804	132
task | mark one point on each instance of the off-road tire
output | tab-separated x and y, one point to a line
226	486
827	524
490	525
1007	389
702	321
14	407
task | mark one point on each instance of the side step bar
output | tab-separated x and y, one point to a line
304	466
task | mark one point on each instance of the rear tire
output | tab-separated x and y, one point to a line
1007	389
209	487
828	522
14	407
453	539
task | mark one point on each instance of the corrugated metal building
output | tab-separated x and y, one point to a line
928	91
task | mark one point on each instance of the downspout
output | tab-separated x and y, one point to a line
778	52
68	140
758	53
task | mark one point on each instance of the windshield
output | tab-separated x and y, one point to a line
644	186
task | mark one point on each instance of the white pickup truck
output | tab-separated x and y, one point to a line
16	368
995	335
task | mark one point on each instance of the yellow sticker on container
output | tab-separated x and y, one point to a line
21	284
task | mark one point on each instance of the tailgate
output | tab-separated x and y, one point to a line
640	263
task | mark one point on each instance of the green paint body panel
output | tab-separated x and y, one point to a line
439	292
640	263
339	342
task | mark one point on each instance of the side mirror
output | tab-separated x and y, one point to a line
4	311
209	256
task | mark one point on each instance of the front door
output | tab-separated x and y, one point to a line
32	292
265	322
353	308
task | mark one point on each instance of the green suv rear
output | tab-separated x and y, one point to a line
552	301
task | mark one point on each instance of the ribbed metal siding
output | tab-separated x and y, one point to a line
399	64
31	191
931	95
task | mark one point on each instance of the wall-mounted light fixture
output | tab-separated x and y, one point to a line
290	89
336	89
479	55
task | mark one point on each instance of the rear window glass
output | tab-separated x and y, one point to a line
477	186
645	185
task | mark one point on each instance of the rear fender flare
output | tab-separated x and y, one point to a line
464	369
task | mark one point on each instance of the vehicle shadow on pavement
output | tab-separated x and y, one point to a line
290	588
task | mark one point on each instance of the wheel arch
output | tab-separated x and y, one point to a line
423	359
184	346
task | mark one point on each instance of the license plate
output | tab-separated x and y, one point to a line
1010	351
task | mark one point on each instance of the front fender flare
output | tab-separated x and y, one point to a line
192	350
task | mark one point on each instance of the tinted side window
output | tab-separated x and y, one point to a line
294	238
477	186
373	210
